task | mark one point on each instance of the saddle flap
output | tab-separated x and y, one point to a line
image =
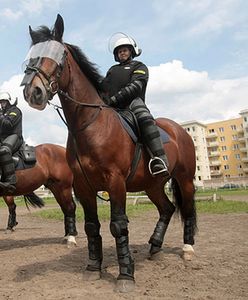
28	153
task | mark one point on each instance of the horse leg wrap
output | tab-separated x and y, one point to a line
119	230
70	226
94	246
12	219
157	237
189	230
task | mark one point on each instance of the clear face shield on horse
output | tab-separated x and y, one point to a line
39	85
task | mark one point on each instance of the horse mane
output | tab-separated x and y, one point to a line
88	68
43	34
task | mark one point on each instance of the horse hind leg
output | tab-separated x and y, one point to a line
68	207
166	209
183	191
12	214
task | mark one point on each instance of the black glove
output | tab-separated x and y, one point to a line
111	101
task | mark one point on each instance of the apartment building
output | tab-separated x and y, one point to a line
197	131
221	149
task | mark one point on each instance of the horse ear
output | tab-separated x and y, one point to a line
31	33
58	29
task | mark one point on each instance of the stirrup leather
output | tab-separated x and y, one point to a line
165	169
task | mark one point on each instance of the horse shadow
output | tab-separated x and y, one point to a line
76	260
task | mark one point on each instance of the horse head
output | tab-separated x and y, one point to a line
44	64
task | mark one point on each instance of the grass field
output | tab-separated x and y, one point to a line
202	206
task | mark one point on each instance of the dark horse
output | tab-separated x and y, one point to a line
100	152
51	170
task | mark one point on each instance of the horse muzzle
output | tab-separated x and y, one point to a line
36	97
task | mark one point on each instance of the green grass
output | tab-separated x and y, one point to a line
221	207
103	212
218	207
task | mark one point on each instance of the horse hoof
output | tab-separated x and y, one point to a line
188	252
124	286
91	275
9	230
156	256
70	241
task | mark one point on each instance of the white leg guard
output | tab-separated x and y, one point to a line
188	252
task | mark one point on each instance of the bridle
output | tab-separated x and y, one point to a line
51	87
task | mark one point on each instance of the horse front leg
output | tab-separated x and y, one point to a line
119	230
92	230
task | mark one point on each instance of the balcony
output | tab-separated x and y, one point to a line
244	159
241	139
243	149
214	163
245	170
214	153
211	135
216	173
213	144
240	130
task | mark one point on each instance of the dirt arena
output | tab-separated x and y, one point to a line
36	265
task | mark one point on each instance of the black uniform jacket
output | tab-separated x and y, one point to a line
11	122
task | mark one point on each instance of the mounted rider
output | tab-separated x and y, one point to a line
125	85
10	140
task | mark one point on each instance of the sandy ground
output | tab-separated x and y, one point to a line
35	264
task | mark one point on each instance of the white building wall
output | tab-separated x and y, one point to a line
197	131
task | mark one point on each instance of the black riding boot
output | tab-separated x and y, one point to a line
8	180
158	163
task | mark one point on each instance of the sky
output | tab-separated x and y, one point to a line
196	52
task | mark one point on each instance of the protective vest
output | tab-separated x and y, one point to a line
119	76
11	122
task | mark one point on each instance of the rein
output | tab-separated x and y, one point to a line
58	108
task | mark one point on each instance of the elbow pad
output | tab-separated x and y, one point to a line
127	94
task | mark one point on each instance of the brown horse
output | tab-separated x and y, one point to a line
100	152
51	170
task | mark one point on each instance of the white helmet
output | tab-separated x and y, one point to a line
6	96
121	39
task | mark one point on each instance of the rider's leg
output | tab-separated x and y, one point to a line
9	145
150	136
8	168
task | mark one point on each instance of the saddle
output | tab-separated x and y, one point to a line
24	157
130	123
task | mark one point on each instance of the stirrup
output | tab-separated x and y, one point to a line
165	169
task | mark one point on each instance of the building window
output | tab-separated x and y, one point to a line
198	168
245	119
233	127
235	146
199	178
237	156
222	139
193	128
223	148
225	157
234	137
211	130
221	129
226	167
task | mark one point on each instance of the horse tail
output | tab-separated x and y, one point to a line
33	200
181	206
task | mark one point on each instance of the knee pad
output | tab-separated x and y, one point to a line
4	149
118	228
92	229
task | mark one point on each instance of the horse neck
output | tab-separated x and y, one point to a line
81	90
